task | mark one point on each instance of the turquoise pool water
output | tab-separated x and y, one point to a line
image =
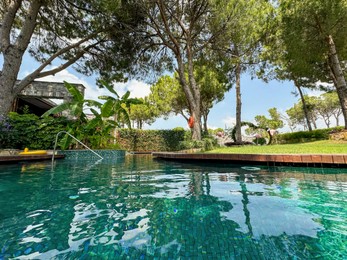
139	208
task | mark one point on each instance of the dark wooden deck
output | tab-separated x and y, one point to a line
318	160
24	158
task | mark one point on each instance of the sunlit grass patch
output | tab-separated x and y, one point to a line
317	147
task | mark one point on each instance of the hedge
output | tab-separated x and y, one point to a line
28	130
20	131
150	140
307	136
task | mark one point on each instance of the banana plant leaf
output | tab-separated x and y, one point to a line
73	90
109	87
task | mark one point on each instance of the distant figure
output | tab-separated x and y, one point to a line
220	134
271	133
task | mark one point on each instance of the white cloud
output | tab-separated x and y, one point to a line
324	84
229	121
137	88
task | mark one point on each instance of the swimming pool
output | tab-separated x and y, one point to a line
139	208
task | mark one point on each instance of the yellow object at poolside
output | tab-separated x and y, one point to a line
34	152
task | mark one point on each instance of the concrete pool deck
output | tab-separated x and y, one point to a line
316	160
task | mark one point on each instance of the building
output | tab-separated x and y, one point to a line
36	96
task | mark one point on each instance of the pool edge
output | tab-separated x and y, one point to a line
315	160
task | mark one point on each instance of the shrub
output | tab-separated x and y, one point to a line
150	140
28	130
260	141
205	144
306	136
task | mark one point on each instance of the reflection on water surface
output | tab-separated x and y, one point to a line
143	209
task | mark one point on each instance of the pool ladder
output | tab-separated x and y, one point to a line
56	140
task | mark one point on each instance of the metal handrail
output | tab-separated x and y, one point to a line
56	140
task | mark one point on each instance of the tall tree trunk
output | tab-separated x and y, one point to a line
196	93
8	78
13	52
192	93
6	94
314	124
304	106
336	116
341	87
238	135
205	122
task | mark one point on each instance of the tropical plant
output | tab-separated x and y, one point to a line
117	106
96	131
75	109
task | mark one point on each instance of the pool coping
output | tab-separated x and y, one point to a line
316	160
21	158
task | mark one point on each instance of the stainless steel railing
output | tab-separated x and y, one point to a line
56	140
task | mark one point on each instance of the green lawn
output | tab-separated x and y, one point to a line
318	147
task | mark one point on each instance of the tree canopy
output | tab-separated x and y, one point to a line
90	35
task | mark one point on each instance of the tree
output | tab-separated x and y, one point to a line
315	36
332	100
167	95
62	31
286	65
327	106
297	114
213	83
239	47
142	113
264	124
176	36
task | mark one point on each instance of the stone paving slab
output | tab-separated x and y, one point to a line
326	160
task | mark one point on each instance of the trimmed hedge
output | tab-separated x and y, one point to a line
150	140
307	136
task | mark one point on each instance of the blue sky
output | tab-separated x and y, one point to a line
257	96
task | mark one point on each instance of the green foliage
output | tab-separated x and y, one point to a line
274	122
143	113
231	132
95	132
260	141
150	140
30	131
161	140
178	128
167	95
205	144
209	143
306	136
